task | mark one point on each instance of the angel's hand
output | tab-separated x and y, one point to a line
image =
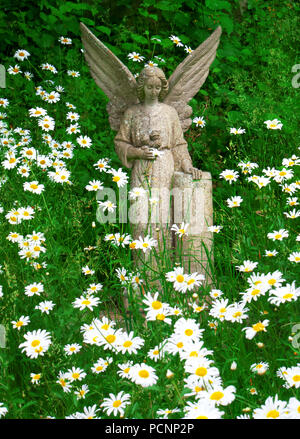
188	168
139	153
145	153
196	174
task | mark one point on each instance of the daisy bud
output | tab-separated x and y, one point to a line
195	295
260	345
169	374
233	365
246	409
93	224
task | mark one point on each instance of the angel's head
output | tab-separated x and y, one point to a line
147	75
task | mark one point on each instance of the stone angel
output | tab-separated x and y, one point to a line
150	115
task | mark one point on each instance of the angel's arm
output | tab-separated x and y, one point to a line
127	153
123	142
182	158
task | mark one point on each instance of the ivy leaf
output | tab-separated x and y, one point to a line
104	29
217	5
167	6
226	23
139	39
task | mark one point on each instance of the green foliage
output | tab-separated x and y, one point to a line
249	82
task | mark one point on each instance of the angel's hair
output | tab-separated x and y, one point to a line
149	72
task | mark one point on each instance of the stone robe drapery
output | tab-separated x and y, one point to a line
136	129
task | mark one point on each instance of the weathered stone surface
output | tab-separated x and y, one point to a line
192	204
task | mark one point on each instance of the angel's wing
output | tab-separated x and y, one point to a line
111	75
188	77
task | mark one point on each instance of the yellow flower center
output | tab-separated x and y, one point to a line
75	375
216	396
19	323
198	389
258	327
179	345
188	332
144	373
201	371
126	370
155	352
237	314
278	236
180	278
202	417
110	338
105	327
273	414
86	302
194	354
296	378
272	281
127	344
117	403
160	317
116	178
288	296
99	368
35	343
156	304
255	292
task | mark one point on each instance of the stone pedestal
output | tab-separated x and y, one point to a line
192	203
186	201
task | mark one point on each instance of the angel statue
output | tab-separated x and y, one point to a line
150	115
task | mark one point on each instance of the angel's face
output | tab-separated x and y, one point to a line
152	89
